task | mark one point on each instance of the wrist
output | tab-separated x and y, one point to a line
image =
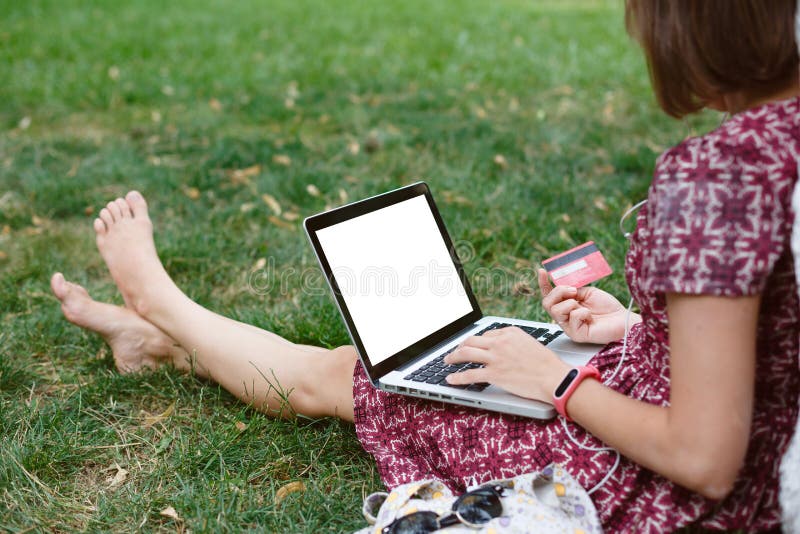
573	378
552	378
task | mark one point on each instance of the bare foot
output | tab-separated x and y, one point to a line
135	343
125	240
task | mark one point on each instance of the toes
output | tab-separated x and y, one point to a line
124	208
107	218
63	289
59	286
99	226
114	209
137	204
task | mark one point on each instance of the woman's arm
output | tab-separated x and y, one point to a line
700	440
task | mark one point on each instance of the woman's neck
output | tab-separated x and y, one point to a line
737	102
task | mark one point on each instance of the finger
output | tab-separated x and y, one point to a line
468	354
579	318
544	283
558	294
560	312
495	333
471	376
479	342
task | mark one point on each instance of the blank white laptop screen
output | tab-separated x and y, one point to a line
396	276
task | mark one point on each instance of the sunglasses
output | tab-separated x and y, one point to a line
473	509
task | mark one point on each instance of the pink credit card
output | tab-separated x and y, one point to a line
577	267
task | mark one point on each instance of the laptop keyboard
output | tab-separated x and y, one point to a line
435	371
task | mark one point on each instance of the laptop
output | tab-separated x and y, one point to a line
401	289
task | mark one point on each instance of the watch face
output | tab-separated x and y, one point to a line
562	387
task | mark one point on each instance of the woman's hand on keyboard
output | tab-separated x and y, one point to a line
512	360
586	314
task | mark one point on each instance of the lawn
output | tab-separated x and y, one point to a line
532	122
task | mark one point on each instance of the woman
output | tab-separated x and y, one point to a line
703	398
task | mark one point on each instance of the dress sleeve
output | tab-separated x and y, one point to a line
716	224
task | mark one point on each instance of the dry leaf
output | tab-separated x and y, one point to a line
353	147
454	198
292	90
312	190
242	176
372	143
6	229
500	161
285	490
608	113
88	210
170	512
523	288
603	169
73	170
192	192
215	104
600	204
291	215
3	255
241	427
150	420
282	159
119	477
273	204
279	222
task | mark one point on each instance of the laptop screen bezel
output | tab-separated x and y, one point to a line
320	221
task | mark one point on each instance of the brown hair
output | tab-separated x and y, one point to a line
697	50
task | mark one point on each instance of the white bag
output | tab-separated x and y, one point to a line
550	501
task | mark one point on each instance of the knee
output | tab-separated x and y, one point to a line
328	388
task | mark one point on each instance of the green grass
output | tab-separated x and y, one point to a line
170	97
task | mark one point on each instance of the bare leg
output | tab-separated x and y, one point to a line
257	366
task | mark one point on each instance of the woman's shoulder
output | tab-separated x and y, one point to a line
759	143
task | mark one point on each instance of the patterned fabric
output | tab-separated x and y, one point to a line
717	222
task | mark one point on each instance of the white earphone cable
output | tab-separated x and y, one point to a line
611	471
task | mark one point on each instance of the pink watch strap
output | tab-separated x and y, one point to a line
571	381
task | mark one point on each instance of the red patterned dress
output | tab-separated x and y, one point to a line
718	222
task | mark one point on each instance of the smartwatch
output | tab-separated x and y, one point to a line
564	391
